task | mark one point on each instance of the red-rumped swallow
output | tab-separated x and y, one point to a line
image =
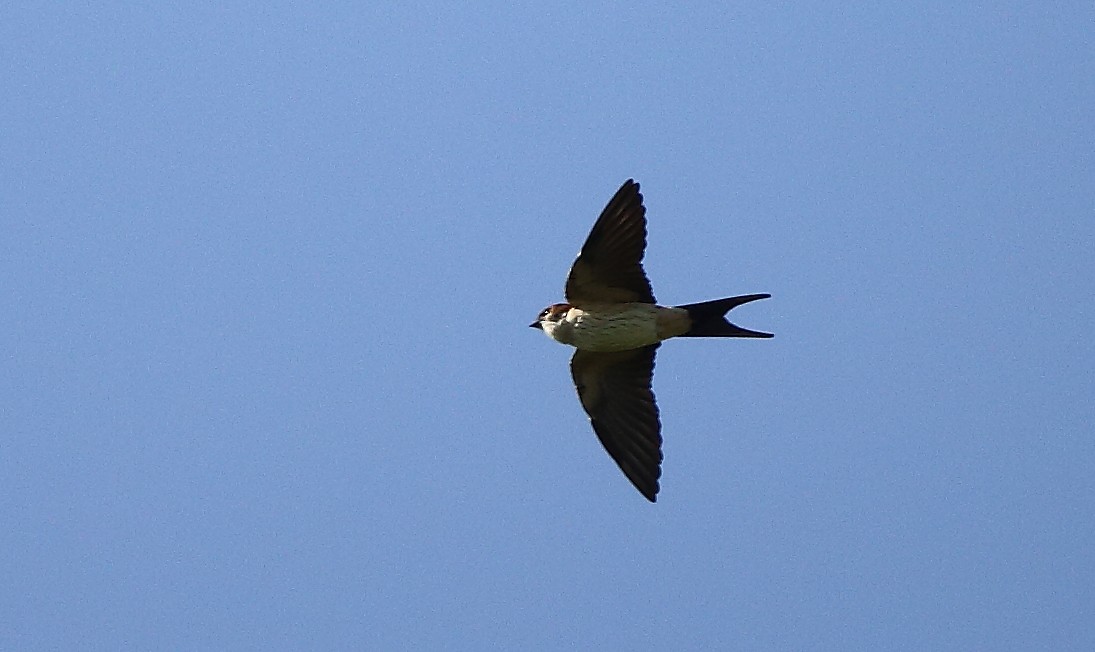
615	324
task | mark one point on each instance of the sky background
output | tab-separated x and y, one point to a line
266	270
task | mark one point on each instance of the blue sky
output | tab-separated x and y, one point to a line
266	271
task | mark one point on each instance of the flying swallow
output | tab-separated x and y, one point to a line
612	319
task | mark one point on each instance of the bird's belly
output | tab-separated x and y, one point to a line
612	330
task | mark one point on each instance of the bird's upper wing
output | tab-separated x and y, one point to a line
609	267
615	391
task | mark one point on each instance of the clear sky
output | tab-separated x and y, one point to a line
266	271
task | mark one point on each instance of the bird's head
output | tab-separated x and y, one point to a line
550	317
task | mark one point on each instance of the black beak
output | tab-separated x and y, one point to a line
536	324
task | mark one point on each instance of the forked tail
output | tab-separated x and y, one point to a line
709	320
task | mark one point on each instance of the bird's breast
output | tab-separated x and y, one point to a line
610	327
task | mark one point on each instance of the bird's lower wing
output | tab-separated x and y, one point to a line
614	389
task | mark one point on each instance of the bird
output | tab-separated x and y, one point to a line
611	318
